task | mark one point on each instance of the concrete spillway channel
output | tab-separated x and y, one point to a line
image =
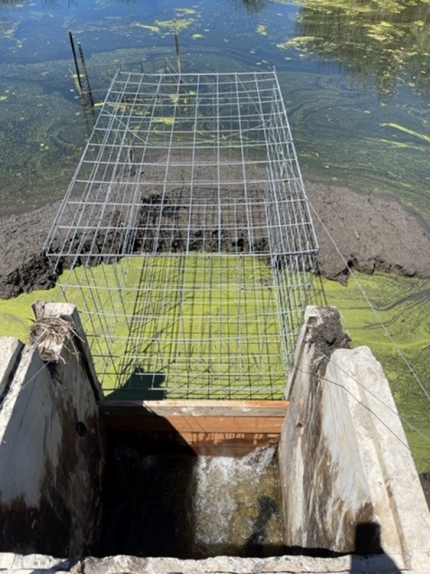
213	476
309	484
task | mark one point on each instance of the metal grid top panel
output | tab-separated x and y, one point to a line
190	185
182	163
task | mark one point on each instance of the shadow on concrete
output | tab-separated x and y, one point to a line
61	566
368	543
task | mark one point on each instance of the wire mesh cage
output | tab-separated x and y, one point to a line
187	237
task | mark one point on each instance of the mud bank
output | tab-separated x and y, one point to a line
372	233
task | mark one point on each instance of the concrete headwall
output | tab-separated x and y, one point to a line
348	478
349	481
51	458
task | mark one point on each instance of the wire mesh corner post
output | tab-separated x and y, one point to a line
188	236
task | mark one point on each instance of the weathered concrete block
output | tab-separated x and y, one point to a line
399	505
35	564
349	482
10	349
51	455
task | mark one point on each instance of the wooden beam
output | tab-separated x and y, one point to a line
207	426
194	408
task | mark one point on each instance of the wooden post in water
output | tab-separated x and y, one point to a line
83	82
78	75
88	94
178	54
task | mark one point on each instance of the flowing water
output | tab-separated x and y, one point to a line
192	507
355	76
237	505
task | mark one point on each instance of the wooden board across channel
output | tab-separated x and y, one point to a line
204	425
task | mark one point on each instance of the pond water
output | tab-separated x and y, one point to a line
355	76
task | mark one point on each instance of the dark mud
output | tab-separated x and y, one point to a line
371	232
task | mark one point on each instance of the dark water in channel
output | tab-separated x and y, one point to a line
191	507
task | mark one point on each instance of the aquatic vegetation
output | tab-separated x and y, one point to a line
406	130
296	42
340	141
7	27
179	25
32	116
167	27
177	319
403	305
383	159
184	11
262	29
372	40
167	121
383	31
149	27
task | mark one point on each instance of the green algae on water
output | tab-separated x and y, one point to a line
230	290
370	41
403	305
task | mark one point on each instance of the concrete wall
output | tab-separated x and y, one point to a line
51	458
36	564
348	478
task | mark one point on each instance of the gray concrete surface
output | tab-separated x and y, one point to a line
10	349
36	564
51	449
348	479
349	482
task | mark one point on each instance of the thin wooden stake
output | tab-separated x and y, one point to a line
178	54
78	75
87	80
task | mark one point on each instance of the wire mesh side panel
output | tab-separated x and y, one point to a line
188	234
293	244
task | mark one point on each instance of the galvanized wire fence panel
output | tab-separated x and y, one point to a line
189	238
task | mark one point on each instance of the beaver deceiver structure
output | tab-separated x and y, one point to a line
189	237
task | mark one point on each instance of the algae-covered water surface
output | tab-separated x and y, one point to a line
380	310
355	76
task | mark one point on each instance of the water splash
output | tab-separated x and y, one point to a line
237	505
189	506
